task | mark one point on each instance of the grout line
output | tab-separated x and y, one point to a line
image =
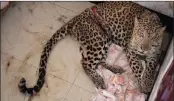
68	91
79	86
58	77
76	77
83	89
71	84
65	81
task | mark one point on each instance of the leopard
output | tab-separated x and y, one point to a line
95	37
146	44
140	43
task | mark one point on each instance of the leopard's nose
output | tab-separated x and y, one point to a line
145	47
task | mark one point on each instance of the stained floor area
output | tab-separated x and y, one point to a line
25	28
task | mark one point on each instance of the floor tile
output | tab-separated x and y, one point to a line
78	94
84	82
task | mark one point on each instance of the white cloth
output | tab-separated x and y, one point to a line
120	87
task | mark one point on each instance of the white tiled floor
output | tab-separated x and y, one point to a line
25	28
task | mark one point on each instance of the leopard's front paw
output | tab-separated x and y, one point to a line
100	84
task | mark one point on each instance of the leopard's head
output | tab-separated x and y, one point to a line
147	33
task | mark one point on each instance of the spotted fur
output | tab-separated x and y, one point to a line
94	39
146	42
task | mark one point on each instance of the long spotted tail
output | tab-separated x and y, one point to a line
60	34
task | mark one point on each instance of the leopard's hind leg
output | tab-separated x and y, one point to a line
90	70
91	57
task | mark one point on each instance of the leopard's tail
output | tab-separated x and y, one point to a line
67	29
60	34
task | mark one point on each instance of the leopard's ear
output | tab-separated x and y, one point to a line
162	29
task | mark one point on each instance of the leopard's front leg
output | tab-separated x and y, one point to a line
148	77
89	67
136	67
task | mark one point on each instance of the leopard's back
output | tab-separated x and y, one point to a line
120	18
